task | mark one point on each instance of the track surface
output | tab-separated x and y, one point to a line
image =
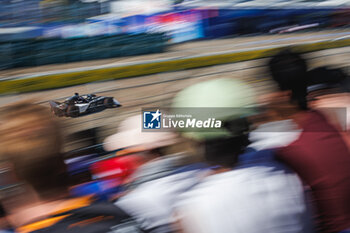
158	90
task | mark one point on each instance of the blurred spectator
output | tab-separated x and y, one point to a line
320	155
237	197
154	187
333	107
37	199
4	224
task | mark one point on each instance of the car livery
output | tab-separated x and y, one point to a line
78	105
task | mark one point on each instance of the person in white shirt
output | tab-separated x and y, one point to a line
154	187
250	197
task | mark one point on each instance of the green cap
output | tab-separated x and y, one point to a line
223	99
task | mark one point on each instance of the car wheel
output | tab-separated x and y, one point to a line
59	113
53	112
56	112
108	103
73	111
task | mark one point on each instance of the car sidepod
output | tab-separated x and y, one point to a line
83	107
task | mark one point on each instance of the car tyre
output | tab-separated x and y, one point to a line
108	103
72	111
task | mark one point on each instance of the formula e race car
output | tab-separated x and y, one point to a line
78	105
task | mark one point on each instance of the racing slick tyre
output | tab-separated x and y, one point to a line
57	112
72	111
108	103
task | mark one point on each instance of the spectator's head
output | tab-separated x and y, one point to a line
133	140
31	142
298	86
227	100
289	71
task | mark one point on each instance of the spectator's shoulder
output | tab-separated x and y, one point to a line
263	158
257	156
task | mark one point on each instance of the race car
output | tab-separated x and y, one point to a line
78	105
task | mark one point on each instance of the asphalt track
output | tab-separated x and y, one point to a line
157	90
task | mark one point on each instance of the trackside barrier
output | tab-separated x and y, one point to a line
75	78
32	52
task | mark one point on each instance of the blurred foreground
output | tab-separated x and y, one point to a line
259	143
276	159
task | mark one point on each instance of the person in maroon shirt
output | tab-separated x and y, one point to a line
319	156
322	160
